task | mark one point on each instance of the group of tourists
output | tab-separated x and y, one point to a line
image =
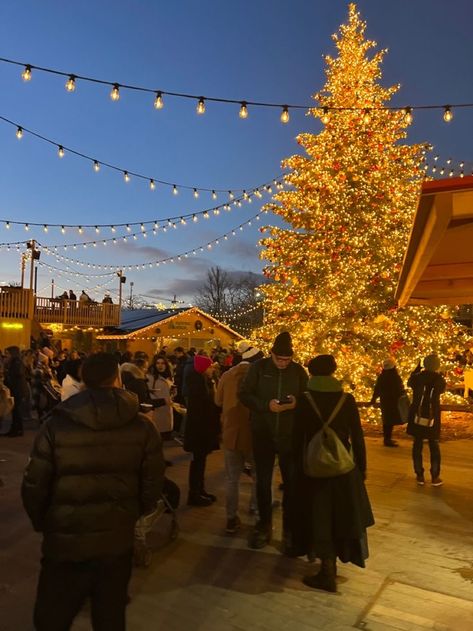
97	463
84	298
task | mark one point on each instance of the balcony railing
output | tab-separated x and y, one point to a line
72	312
16	303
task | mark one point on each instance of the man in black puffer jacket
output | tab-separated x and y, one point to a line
95	468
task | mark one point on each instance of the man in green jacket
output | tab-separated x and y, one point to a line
270	391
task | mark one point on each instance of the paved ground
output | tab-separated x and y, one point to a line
419	575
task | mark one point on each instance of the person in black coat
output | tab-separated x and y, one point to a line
388	388
329	515
95	468
202	430
16	381
427	386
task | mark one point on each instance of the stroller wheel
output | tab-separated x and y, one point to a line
142	555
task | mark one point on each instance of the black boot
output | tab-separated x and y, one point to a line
326	578
260	536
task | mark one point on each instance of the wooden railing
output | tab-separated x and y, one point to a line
16	303
55	310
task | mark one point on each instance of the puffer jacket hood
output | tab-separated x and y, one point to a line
100	408
132	369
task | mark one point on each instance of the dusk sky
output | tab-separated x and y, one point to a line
263	50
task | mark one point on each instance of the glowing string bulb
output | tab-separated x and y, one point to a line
19	133
80	230
408	115
96	166
7	225
231	195
63	230
448	114
194	218
126	176
45	228
60	151
27	227
97	229
325	115
214	195
158	101
201	106
285	114
243	113
26	74
71	83
115	93
196	193
152	185
175	190
205	215
366	117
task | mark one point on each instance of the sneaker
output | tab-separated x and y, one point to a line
233	525
198	500
260	536
420	480
210	496
390	443
437	482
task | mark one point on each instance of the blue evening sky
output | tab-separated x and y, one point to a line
269	50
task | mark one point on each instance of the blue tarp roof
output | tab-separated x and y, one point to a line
135	319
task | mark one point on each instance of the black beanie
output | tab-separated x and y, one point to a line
283	345
322	365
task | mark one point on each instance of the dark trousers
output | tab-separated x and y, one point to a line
387	432
197	473
434	456
17	416
63	588
264	453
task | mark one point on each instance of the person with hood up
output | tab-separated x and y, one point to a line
96	466
388	388
425	416
202	430
236	434
72	383
270	391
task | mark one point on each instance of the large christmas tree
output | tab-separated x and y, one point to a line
351	204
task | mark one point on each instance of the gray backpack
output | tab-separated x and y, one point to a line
325	456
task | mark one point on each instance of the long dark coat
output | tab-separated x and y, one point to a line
434	384
329	516
202	429
388	388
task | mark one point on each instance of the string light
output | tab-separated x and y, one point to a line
115	93
60	151
96	166
214	195
158	101
126	176
26	74
366	117
196	193
71	83
19	133
325	116
243	113
201	106
448	114
285	115
152	184
175	190
408	116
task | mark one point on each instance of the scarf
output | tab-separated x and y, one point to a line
324	383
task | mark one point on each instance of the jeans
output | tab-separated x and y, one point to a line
196	473
63	588
234	463
434	456
264	453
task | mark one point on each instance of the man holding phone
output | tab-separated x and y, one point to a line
270	391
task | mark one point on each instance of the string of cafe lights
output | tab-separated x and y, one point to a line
156	263
159	95
154	225
127	173
437	167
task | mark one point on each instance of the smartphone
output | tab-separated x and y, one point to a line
285	400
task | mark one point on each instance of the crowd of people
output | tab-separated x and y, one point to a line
97	463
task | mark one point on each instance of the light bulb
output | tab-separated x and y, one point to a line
63	230
27	227
7	225
26	74
142	227
366	117
97	229
158	101
231	195
194	218
60	151
80	230
128	229
196	193
243	110
115	93
112	228
96	166
448	114
19	133
408	115
325	115
126	177
285	115
175	190
205	215
201	106
152	185
45	228
71	83
214	195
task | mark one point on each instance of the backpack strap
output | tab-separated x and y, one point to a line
335	410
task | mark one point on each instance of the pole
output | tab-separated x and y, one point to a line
131	295
52	287
120	273
33	244
23	265
35	279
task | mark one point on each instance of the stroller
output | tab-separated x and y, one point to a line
167	504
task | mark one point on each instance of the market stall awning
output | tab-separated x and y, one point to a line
438	264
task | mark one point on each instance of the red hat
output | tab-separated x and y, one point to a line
201	363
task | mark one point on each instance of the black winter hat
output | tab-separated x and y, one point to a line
283	345
322	365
